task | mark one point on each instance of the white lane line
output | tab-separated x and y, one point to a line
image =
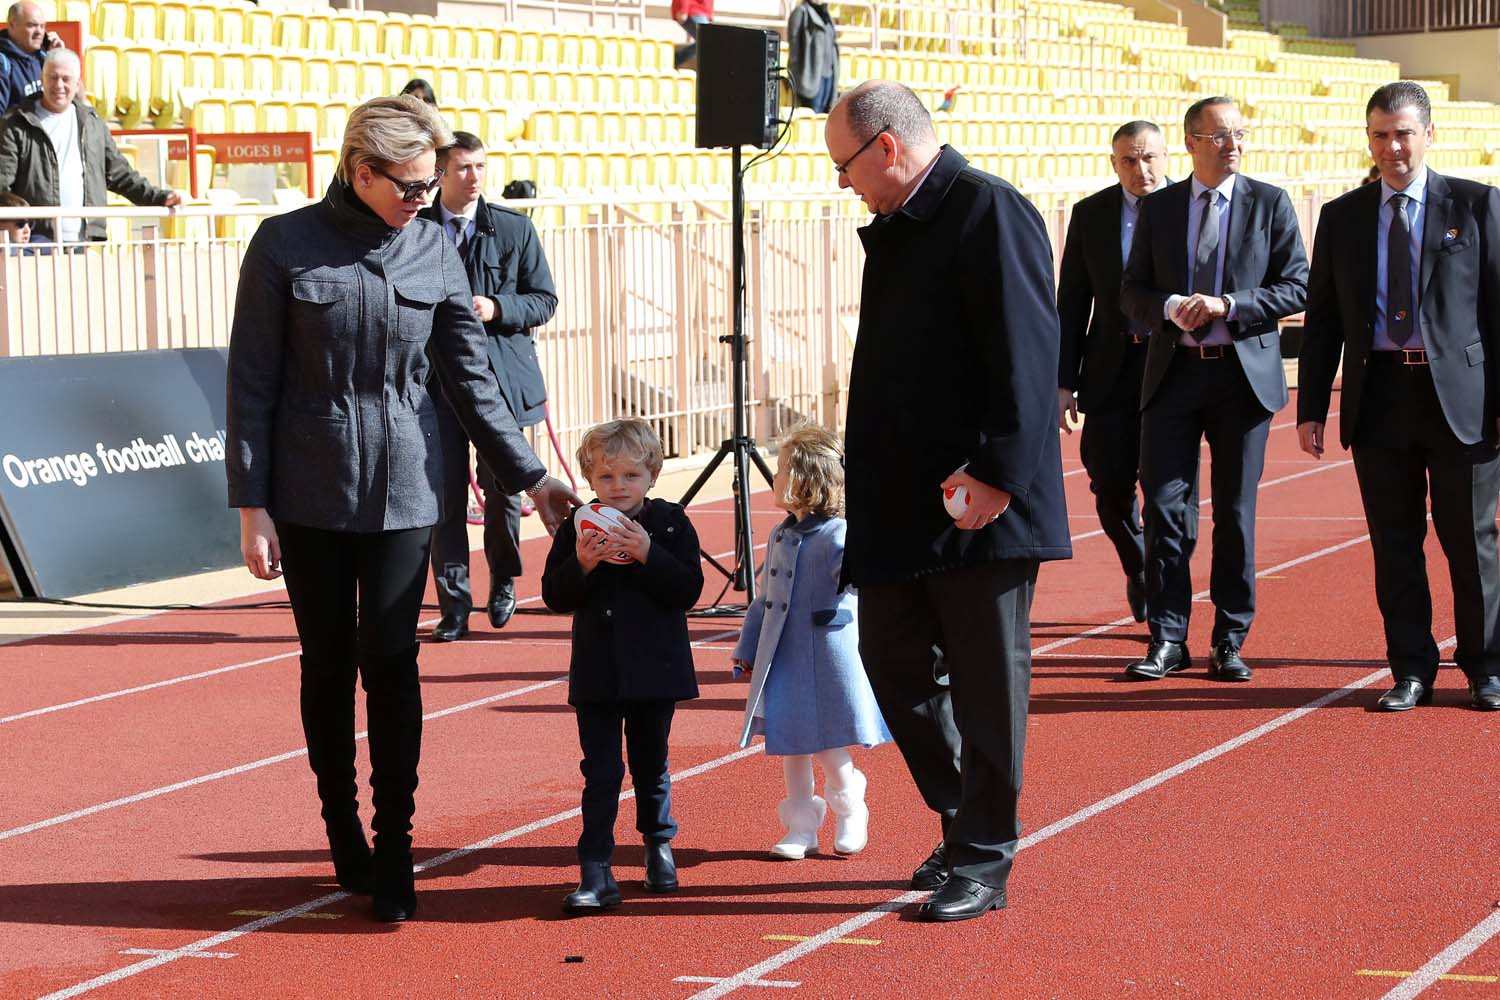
169	682
165	951
256	765
1444	961
781	959
197	947
785	984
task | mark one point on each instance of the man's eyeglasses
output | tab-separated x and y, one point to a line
1219	138
843	168
412	190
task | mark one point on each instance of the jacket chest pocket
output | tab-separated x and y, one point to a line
319	305
498	278
416	305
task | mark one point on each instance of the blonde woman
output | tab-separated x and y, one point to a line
344	308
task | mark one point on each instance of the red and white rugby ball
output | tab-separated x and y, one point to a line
601	517
956	498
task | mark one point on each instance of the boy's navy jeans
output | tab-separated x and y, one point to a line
646	726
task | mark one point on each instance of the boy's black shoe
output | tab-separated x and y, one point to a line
597	889
661	868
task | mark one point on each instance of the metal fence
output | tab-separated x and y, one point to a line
1350	18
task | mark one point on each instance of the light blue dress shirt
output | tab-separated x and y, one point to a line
448	218
1416	204
1130	210
1218	331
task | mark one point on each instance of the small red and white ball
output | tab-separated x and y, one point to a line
956	498
604	518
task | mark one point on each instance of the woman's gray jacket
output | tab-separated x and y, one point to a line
329	420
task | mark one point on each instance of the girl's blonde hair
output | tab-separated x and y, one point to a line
385	131
815	470
631	438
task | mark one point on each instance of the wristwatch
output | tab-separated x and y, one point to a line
1228	304
535	487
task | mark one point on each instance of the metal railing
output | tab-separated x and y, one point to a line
1350	18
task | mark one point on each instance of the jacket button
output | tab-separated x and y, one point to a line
608	613
768	604
773	572
783	605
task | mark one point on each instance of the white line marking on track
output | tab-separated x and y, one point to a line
164	951
255	765
779	983
291	913
1445	960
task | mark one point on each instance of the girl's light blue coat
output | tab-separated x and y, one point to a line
809	691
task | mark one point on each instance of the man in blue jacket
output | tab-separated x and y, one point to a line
23	44
513	293
954	369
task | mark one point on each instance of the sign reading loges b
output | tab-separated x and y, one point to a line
112	469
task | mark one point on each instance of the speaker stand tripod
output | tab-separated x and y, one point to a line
740	447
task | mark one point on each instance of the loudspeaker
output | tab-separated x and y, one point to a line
739	92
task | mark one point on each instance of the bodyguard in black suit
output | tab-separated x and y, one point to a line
1405	286
513	293
1103	356
1217	262
954	364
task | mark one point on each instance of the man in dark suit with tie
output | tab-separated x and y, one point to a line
1216	263
952	370
513	293
1405	286
1103	356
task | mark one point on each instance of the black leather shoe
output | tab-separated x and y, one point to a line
597	889
962	899
1405	696
1225	663
451	628
1135	596
502	603
1162	658
661	868
933	873
1484	694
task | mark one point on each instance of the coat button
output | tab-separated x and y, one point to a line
608	613
783	605
773	572
768	604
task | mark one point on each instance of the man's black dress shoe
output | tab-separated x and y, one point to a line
962	899
1225	663
1484	694
661	868
1405	696
1162	658
395	892
597	889
451	628
932	873
1135	596
502	603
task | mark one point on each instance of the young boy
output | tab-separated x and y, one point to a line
632	661
18	230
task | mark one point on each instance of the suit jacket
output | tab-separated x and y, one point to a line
1265	270
630	634
339	322
505	262
955	362
1457	303
1092	356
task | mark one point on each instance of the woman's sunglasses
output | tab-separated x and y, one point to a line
412	190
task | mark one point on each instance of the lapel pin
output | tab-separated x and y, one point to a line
1400	316
1451	234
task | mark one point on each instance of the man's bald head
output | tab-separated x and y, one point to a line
884	105
880	138
26	23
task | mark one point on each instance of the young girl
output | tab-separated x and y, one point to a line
808	693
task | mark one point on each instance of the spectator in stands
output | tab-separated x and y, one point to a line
421	90
691	14
814	57
954	369
16	230
23	44
56	150
345	308
512	294
1411	313
1103	354
1216	263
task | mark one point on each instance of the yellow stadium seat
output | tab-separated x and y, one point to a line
441	49
273	116
529	48
501	126
419	37
202	69
101	69
209	114
260	26
343	32
586	88
466	44
133	99
242	114
173	23
317	32
396	77
81	11
393	37
332	117
289	31
446	81
344	78
230	29
371	82
304	118
260	72
325	163
469	118
290	74
507	45
472	84
497	86
169	71
112	20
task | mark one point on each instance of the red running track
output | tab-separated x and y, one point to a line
1186	838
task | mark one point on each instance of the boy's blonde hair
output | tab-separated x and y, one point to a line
815	470
631	438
